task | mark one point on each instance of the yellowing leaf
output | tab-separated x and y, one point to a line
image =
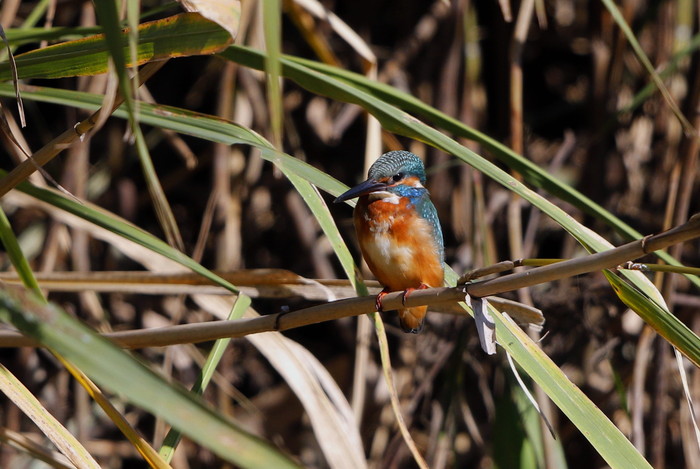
225	13
181	35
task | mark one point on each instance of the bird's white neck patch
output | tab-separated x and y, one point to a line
384	196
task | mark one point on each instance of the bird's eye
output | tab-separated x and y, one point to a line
397	177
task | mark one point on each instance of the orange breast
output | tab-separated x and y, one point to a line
397	244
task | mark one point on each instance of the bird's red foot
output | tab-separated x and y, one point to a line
378	302
408	291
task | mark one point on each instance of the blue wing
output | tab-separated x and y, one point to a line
427	210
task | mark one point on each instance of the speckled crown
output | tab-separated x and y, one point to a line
395	162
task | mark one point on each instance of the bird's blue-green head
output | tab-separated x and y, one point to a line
397	165
397	172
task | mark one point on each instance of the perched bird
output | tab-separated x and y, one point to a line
399	231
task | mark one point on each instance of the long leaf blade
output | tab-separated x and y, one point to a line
87	350
177	36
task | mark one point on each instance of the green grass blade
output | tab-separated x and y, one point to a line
23	35
12	387
14	252
657	316
27	276
107	12
37	12
31	20
138	384
301	176
177	36
121	227
174	436
396	120
670	68
109	20
644	60
531	173
133	233
132	19
272	14
162	208
605	437
187	122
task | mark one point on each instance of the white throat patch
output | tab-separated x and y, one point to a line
384	196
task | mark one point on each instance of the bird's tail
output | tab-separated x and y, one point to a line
411	319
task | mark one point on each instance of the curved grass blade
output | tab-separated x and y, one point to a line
123	228
642	57
107	12
396	120
25	273
199	125
12	388
14	252
174	436
658	317
605	437
272	24
610	443
531	173
23	35
86	349
670	68
145	450
181	35
320	211
323	216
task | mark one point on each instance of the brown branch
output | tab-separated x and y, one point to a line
202	332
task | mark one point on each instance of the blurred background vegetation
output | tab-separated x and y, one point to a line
577	116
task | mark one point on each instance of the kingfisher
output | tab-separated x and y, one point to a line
399	231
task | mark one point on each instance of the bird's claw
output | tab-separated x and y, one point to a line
408	291
378	302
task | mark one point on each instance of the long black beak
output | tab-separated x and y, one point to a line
370	185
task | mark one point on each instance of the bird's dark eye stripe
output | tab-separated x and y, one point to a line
397	177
